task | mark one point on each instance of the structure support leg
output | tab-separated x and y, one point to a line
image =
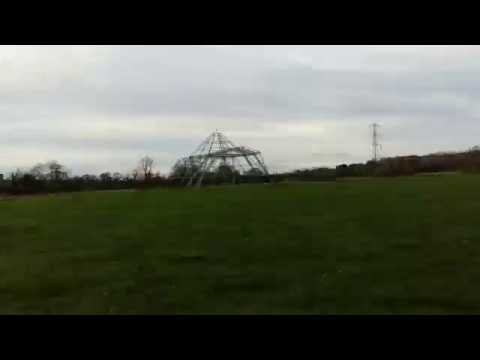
206	168
262	165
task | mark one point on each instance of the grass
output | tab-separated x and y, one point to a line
382	246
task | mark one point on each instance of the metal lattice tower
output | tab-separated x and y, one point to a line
217	150
375	142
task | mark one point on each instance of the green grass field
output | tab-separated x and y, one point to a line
379	246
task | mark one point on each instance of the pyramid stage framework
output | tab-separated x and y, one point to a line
218	151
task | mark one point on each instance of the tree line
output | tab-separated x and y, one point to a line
51	177
464	161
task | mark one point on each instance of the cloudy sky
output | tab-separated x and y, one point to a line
99	108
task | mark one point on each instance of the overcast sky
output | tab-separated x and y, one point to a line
101	108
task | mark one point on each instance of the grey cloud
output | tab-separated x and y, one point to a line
426	98
210	82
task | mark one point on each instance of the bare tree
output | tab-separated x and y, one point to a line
146	165
51	170
56	171
117	176
135	174
16	175
39	171
106	177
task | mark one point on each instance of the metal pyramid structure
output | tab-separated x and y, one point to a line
217	150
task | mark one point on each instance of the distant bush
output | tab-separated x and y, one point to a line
468	161
23	184
314	174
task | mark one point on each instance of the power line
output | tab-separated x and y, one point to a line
375	142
